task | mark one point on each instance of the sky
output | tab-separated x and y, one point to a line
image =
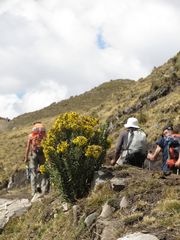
51	50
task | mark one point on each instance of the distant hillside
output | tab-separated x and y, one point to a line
154	100
83	103
4	123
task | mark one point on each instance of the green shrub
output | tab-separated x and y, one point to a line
74	148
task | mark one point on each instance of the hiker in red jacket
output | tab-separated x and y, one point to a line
34	156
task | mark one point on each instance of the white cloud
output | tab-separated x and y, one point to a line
60	41
7	106
46	93
37	98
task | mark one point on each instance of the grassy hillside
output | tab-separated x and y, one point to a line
154	204
154	100
153	207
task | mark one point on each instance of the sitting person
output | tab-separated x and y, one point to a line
131	146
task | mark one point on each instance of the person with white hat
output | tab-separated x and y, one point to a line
132	145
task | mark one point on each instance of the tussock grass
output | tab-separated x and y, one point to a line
99	196
169	205
148	220
131	219
170	201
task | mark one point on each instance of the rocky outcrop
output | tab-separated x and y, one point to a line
12	208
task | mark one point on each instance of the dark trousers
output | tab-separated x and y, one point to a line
136	159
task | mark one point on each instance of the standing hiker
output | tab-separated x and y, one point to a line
169	145
34	156
131	146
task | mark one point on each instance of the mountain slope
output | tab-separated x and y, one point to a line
153	203
152	207
154	100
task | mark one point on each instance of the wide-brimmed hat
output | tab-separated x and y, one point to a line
131	122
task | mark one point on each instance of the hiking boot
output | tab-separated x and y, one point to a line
162	175
39	190
167	173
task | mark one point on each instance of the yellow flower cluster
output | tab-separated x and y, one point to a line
48	151
89	121
69	130
93	151
67	121
50	139
62	147
42	169
80	141
74	122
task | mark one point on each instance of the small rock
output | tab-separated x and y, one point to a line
65	207
123	203
101	177
90	219
107	211
117	184
76	211
139	236
105	175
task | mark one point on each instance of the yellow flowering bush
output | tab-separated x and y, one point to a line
74	148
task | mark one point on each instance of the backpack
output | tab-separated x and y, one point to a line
136	146
173	150
37	135
137	142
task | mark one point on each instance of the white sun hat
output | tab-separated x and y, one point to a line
131	122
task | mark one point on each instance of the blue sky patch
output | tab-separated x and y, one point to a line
20	94
101	43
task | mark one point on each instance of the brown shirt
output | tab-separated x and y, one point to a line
121	144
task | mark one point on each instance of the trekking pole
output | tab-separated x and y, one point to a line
149	161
